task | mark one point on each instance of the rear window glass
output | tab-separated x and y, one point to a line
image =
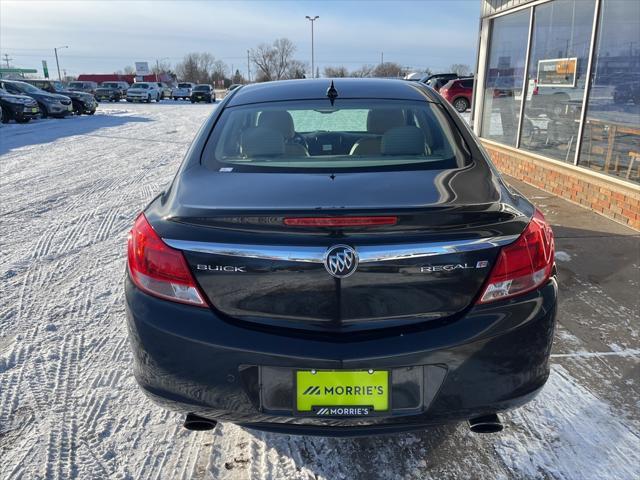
202	88
184	85
351	134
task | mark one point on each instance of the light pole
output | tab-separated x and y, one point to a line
313	69
55	50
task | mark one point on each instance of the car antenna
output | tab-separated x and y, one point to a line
332	93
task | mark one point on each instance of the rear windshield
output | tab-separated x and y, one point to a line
351	135
184	85
202	88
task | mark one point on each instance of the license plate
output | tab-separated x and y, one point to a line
32	110
342	393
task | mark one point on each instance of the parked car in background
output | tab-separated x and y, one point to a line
459	93
165	90
20	108
82	102
50	104
438	80
143	92
203	93
317	307
627	91
83	86
112	91
183	91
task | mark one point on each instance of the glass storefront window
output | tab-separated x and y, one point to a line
504	77
556	77
611	137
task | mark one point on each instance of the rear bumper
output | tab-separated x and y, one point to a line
190	360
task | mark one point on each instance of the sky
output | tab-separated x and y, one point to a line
105	36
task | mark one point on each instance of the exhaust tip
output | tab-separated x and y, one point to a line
486	424
196	423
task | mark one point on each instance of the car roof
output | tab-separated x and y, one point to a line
313	89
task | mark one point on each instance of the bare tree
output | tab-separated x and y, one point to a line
219	71
336	72
388	70
364	71
189	68
161	67
201	68
274	62
460	68
296	69
129	70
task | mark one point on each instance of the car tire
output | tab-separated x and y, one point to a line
20	120
43	111
4	115
148	99
461	104
193	101
129	100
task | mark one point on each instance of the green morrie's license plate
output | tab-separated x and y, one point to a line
342	392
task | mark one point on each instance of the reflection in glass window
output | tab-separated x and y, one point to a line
611	138
505	73
556	77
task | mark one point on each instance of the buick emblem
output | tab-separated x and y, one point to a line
341	261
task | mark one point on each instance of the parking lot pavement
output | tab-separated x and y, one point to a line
69	407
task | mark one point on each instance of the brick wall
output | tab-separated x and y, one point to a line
608	196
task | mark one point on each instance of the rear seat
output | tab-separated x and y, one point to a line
379	121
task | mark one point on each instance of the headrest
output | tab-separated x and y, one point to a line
279	120
408	140
261	142
383	119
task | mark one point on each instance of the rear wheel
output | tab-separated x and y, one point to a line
461	104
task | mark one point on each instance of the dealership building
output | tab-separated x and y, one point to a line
557	98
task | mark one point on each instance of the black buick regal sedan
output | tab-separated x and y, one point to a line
340	258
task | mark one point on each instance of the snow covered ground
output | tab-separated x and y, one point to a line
69	407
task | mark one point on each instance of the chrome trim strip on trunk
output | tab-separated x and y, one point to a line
366	253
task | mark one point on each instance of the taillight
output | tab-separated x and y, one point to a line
339	221
524	265
158	269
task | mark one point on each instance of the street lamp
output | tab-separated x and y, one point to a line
313	69
55	50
